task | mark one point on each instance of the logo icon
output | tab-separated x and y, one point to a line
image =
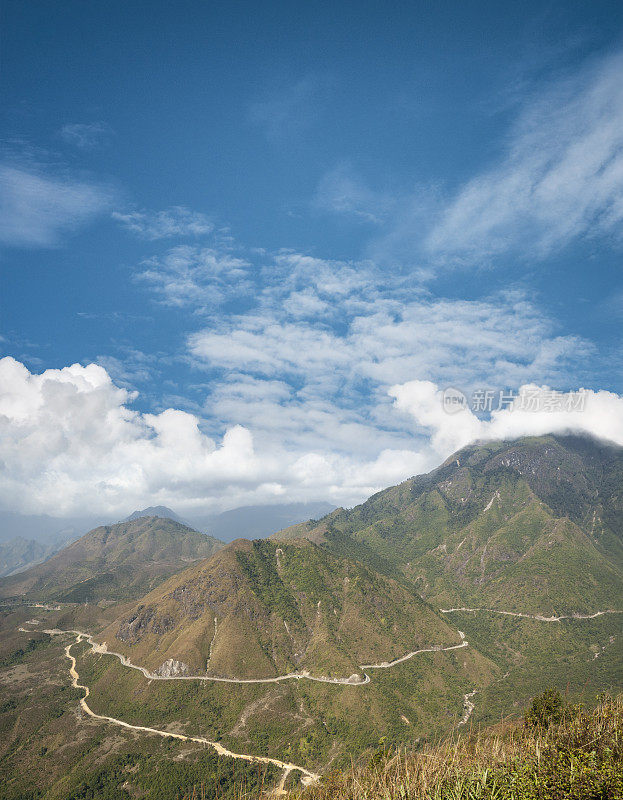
453	400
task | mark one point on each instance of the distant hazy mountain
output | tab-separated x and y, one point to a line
19	554
44	528
113	562
155	511
256	522
529	525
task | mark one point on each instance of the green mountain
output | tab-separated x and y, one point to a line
260	609
113	562
533	525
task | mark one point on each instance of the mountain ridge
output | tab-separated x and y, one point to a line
493	518
113	562
260	609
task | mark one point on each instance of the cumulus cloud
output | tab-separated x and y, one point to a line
561	177
177	221
535	411
36	209
70	440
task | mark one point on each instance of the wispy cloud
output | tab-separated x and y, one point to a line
177	221
342	192
561	177
87	136
36	208
194	277
332	338
282	111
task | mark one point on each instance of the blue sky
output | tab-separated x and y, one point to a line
253	225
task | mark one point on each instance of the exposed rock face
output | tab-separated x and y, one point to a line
133	629
145	621
171	668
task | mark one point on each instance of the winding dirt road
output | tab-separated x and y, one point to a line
536	617
387	664
307	776
353	680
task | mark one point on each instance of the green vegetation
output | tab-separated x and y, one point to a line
580	658
153	778
578	757
50	751
259	567
531	525
261	609
17	656
546	709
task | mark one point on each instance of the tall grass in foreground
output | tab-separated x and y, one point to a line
576	754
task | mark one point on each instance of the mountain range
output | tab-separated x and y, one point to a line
454	595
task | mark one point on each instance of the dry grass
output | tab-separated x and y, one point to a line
580	757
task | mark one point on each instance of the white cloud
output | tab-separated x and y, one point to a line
305	303
308	367
561	177
321	383
538	410
502	339
177	221
340	191
36	209
199	277
87	136
69	440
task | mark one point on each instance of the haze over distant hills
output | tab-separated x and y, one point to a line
256	522
28	540
246	522
155	511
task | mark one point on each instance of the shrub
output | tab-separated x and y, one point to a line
546	708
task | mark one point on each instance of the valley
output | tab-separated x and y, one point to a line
300	652
287	767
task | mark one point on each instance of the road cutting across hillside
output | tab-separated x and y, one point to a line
307	775
353	680
537	617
